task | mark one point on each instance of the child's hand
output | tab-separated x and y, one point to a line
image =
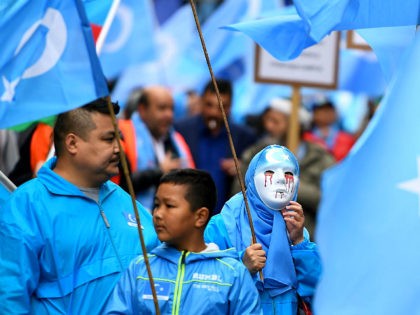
295	220
254	258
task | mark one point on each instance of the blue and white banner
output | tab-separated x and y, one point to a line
369	217
48	62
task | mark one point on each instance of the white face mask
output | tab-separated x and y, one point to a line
276	178
276	187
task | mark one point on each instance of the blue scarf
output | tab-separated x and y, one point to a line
270	229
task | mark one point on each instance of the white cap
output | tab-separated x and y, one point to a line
285	106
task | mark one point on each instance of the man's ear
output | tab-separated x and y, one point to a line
201	217
141	109
71	143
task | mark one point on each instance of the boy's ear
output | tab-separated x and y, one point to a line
201	217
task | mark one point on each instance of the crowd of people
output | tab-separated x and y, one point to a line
70	238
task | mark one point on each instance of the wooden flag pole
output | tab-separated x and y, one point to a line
293	134
232	147
124	164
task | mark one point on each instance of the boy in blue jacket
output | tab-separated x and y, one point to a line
191	277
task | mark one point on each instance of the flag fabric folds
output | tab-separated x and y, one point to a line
389	44
324	16
369	218
180	62
97	12
131	38
285	35
48	62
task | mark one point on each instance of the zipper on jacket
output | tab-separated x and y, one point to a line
105	218
108	226
178	283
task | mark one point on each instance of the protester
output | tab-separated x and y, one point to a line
289	261
152	146
68	234
208	140
313	159
191	277
327	132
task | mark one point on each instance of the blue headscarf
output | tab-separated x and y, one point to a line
270	228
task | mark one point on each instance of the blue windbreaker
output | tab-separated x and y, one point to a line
186	283
289	269
61	252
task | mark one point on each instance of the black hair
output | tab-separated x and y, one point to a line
79	121
224	86
201	189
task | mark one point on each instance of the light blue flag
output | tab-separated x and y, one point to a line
324	16
190	68
131	38
369	219
389	44
180	63
97	10
360	73
173	37
283	33
287	34
48	62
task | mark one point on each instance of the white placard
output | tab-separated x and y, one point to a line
317	66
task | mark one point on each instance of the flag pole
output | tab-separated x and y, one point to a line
133	200
6	182
107	25
294	127
226	123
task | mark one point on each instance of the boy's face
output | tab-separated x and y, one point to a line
173	219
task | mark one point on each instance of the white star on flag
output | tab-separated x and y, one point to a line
413	185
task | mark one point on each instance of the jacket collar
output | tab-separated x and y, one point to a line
59	186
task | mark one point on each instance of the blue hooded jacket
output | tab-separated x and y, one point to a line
61	252
289	269
186	283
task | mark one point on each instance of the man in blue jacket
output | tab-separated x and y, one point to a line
191	277
69	233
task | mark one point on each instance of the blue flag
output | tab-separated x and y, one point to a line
324	16
180	63
369	218
389	44
360	73
48	62
285	36
131	38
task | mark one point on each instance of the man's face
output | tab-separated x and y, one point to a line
211	112
98	155
159	114
172	216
